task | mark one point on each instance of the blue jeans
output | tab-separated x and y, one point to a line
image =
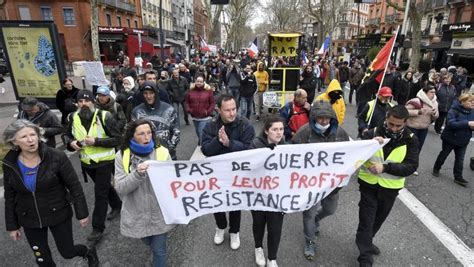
246	104
421	134
158	247
312	216
199	127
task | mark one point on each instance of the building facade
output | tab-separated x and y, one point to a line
347	29
119	21
201	23
183	24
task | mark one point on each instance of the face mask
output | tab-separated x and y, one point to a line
321	127
392	135
163	78
128	87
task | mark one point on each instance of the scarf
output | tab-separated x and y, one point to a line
141	150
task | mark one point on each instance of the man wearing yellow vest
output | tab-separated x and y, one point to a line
377	108
92	132
382	176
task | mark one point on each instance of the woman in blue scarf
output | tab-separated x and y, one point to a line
141	215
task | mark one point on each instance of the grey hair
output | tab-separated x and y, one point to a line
298	92
16	126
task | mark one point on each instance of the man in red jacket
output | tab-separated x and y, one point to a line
199	103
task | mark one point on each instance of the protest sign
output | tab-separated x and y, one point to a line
289	178
94	72
283	46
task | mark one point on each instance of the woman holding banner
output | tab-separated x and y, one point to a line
141	215
272	135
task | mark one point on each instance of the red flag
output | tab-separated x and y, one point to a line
377	67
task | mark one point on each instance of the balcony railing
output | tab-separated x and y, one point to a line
119	4
393	19
373	22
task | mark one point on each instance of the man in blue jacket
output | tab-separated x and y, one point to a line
227	133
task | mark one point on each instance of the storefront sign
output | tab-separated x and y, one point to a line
112	29
462	27
289	178
34	58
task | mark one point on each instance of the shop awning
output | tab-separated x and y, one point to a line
462	52
438	45
110	37
175	42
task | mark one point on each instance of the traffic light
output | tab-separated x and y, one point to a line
219	2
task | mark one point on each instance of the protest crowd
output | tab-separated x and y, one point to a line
117	129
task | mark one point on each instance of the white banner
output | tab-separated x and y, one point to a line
289	178
94	72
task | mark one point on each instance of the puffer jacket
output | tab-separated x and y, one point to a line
446	95
47	120
164	118
339	106
199	102
141	214
57	186
457	131
429	111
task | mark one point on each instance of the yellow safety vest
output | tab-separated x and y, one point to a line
96	130
371	104
384	179
161	154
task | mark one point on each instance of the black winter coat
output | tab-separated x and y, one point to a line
61	97
240	133
57	186
47	120
248	85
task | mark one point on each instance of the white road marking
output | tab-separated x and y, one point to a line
450	240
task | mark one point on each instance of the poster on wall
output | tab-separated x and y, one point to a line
34	58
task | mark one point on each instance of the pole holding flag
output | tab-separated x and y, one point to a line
381	60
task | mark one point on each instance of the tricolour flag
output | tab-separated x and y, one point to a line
376	69
204	46
325	46
305	58
253	49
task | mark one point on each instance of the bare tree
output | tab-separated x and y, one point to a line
95	30
327	14
416	11
284	14
239	13
214	13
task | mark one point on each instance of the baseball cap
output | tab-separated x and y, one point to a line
85	94
385	91
103	90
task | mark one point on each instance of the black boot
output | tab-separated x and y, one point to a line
91	256
461	181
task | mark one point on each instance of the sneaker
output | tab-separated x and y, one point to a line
114	213
234	241
461	181
259	257
435	172
375	250
92	258
219	237
310	250
416	173
95	236
272	263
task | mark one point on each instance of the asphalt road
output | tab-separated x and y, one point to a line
404	240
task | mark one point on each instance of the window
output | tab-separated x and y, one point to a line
24	13
128	22
46	13
108	19
458	16
119	21
136	24
68	14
